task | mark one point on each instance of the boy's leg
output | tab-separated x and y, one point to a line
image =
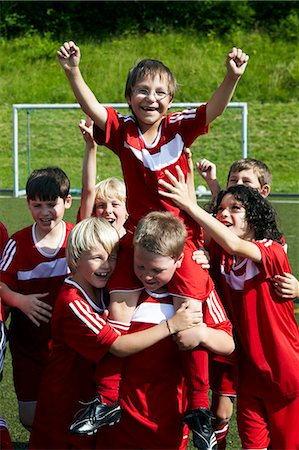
196	371
5	439
104	409
223	382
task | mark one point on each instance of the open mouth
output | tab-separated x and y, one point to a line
102	274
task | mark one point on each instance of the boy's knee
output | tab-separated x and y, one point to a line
26	414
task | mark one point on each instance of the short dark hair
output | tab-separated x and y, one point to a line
47	184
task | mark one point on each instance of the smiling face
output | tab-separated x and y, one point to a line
94	268
248	177
154	270
232	214
112	210
150	100
49	213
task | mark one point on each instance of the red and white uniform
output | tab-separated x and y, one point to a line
2	338
80	338
143	165
3	236
267	345
29	269
152	394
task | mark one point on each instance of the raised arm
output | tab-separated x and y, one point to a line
236	63
69	59
208	172
178	192
89	169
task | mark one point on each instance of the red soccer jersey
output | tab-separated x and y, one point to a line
265	324
29	269
81	337
3	236
152	392
144	164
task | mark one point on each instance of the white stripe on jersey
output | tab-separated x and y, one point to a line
168	154
215	308
8	254
85	313
149	312
235	279
183	115
46	269
2	345
119	325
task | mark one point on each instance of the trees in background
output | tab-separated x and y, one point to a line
101	19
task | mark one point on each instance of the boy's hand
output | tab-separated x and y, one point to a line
201	256
86	128
207	170
190	339
184	318
286	285
236	61
177	189
36	310
69	55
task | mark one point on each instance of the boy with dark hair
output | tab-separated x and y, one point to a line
34	264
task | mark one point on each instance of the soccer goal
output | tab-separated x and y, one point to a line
26	155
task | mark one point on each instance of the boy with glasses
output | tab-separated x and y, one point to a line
148	142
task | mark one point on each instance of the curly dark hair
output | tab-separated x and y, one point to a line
259	213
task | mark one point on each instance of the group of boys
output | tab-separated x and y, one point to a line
147	143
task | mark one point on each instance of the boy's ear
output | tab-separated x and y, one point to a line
170	103
180	260
265	191
68	202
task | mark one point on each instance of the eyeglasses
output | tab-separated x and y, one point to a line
159	95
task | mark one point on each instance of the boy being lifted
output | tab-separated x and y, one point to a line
148	142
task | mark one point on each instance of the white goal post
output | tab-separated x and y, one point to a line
16	107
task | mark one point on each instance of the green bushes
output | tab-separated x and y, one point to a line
103	19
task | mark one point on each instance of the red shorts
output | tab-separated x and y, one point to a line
223	373
262	424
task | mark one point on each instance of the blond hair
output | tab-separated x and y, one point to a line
112	187
260	169
87	235
162	233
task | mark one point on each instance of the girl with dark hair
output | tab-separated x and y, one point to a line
246	254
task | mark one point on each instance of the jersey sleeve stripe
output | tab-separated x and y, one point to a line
92	320
8	254
215	308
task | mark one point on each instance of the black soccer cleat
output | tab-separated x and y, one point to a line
200	422
95	416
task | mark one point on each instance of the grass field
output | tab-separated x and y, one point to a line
15	215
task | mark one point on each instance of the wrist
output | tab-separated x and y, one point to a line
169	327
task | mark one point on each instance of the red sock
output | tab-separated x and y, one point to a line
5	439
108	371
196	371
221	432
